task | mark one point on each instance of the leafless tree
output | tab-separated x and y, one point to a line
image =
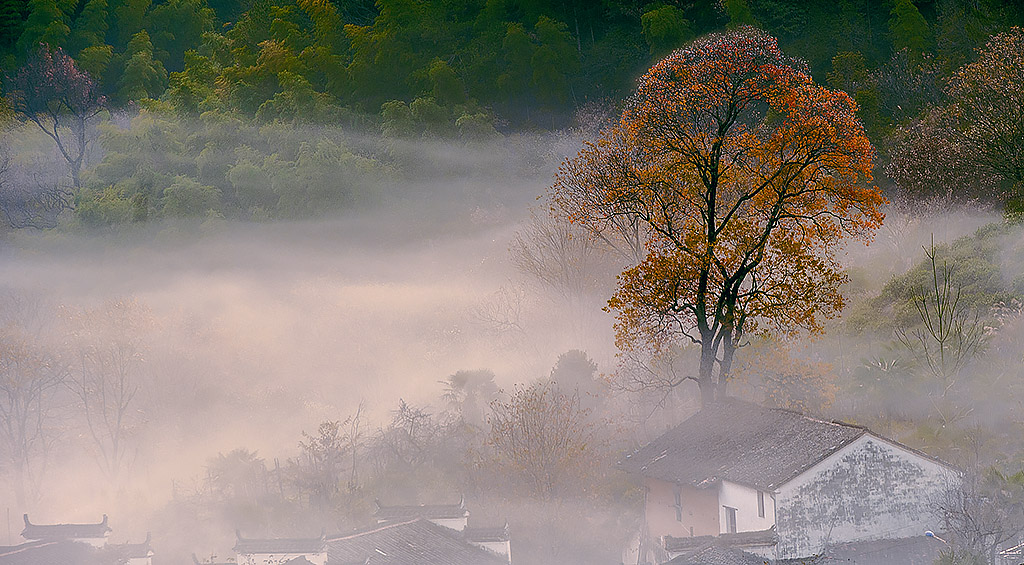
543	437
982	513
329	458
570	261
35	204
502	313
559	254
408	441
107	353
951	333
30	379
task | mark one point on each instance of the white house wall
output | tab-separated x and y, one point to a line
502	548
870	489
744	500
279	558
457	524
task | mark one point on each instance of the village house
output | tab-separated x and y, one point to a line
277	551
453	516
778	485
80	544
91	534
437	534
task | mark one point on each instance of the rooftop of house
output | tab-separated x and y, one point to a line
484	535
56	551
416	541
65	531
717	555
429	511
917	550
743	443
740	540
727	549
133	550
279	546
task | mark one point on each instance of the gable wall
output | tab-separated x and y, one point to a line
744	500
458	524
870	489
699	510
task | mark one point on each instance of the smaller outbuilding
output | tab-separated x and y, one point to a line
77	544
91	534
275	551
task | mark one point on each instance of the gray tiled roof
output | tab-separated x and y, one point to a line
917	550
483	535
431	511
743	443
64	531
414	542
279	545
52	552
759	538
715	555
133	550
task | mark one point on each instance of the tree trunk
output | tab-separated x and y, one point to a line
705	378
19	483
725	370
76	164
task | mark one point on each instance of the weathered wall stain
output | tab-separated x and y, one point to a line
867	490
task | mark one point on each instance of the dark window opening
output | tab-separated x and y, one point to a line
760	504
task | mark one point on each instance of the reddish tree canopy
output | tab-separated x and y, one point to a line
52	92
747	176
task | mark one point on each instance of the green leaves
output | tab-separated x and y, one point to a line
909	29
665	28
143	76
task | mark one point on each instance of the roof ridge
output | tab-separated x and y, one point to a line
374	530
28	545
820	419
29	524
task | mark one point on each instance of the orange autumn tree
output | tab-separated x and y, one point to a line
746	177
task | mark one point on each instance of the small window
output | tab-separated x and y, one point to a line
730	520
760	504
678	492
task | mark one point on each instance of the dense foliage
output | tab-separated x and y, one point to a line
745	176
464	69
525	60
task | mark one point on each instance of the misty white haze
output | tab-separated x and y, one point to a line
511	282
254	333
258	332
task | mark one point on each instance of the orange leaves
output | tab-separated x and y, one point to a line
745	176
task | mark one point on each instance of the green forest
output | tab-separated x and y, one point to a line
190	107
